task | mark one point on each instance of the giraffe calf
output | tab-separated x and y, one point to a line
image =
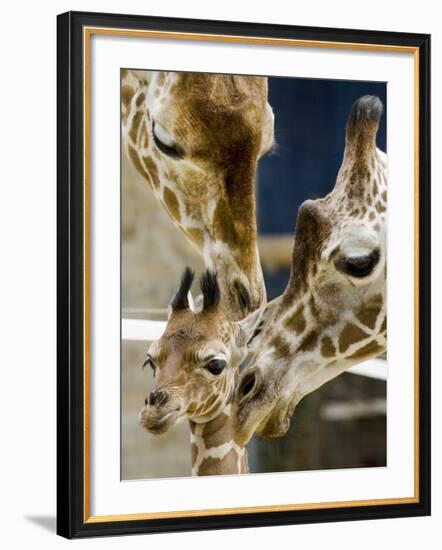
195	364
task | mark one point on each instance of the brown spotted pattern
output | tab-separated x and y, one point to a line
189	382
219	126
332	314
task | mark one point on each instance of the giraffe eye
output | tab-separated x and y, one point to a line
359	266
162	140
216	366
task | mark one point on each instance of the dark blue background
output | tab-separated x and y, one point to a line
310	119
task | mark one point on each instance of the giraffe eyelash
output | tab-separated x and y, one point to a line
171	150
149	362
210	356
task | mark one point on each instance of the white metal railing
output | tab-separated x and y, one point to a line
147	330
142	329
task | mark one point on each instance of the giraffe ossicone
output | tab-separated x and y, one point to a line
332	314
197	139
195	364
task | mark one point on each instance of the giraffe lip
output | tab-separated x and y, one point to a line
269	430
157	425
277	422
168	415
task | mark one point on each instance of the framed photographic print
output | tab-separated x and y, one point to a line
227	258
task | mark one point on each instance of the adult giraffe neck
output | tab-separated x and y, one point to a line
333	312
214	448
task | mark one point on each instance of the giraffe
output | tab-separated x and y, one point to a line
196	138
195	364
332	313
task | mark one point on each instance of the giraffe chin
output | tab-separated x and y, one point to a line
158	422
277	422
275	425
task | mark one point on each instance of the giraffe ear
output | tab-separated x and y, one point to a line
250	327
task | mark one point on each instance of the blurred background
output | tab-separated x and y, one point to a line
341	425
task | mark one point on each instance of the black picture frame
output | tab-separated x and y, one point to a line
71	519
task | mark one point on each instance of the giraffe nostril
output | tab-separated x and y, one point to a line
247	384
163	397
159	397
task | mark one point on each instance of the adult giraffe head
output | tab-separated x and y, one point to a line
197	139
332	314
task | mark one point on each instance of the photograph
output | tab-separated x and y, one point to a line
225	203
253	274
228	254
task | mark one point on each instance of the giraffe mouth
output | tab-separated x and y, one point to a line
158	424
275	424
256	402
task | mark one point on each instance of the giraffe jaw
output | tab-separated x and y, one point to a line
277	422
255	406
268	408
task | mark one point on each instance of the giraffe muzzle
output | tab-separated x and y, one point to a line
277	422
158	424
258	397
160	412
